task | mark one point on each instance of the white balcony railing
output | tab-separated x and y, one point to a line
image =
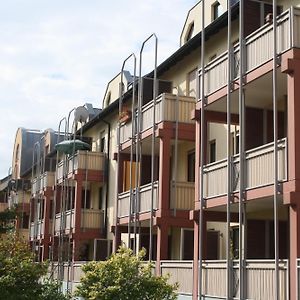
64	221
42	182
165	110
82	160
288	36
37	229
144	204
259	170
259	273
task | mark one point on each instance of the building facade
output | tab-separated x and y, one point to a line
183	161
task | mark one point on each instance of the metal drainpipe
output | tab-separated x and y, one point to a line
132	55
229	162
241	154
202	146
275	133
55	198
107	175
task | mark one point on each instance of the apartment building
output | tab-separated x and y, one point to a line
151	168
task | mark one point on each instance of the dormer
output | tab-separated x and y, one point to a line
112	89
193	23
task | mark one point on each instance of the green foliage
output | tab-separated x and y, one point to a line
20	276
7	218
124	276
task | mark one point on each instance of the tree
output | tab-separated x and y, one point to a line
20	277
124	276
7	220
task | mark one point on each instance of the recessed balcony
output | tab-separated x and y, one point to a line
258	50
90	219
39	184
82	160
259	170
182	198
165	110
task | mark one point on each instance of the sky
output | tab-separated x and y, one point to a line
56	55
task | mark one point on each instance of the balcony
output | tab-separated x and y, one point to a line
144	204
259	170
82	160
288	36
38	184
90	219
259	273
165	110
20	197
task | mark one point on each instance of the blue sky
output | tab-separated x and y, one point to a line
56	54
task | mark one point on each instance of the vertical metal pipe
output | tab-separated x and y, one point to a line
275	133
153	35
121	92
241	153
54	204
202	147
229	171
176	150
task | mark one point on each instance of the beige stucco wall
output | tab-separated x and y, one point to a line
182	161
195	15
97	132
216	45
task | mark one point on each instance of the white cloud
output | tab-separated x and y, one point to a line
58	54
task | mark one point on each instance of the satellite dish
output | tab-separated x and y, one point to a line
81	114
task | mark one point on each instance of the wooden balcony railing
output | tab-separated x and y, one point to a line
92	218
165	111
185	195
144	204
259	170
258	50
82	160
259	273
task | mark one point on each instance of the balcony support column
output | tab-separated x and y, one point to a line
291	66
77	219
162	244
195	217
294	213
46	224
164	172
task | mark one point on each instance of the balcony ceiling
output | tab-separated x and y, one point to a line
258	94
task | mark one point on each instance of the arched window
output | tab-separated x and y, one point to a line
190	32
216	10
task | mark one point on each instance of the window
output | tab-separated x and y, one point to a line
190	32
212	151
86	199
192	83
102	144
191	166
216	10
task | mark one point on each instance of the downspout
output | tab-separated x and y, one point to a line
107	175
